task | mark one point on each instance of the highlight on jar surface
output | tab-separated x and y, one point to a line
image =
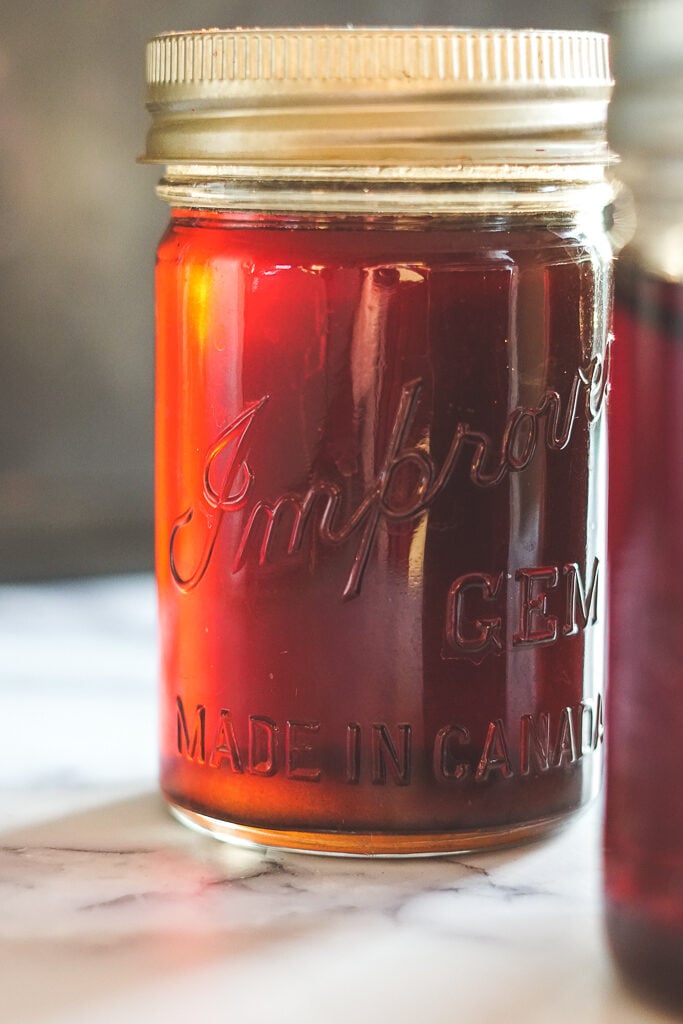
383	347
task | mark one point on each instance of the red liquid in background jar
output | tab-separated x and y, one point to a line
644	825
379	504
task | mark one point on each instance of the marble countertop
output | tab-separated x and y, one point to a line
112	912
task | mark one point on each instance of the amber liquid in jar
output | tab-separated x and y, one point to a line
379	554
644	823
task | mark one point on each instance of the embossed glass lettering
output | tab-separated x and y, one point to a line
495	756
194	748
386	753
353	752
262	745
486	470
566	748
535	625
581	600
225	749
482	634
460	754
232	444
535	743
445	763
525	602
299	750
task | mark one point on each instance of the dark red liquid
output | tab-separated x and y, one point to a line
379	515
644	826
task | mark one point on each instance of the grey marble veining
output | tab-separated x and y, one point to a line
112	912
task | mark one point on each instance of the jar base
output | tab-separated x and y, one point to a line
369	844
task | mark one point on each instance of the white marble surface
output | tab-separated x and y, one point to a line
111	912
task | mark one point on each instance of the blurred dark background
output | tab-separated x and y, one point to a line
79	224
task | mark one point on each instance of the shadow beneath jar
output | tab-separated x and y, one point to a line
117	898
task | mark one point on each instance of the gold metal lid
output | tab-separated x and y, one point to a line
377	96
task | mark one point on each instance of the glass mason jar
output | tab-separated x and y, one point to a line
383	304
644	819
